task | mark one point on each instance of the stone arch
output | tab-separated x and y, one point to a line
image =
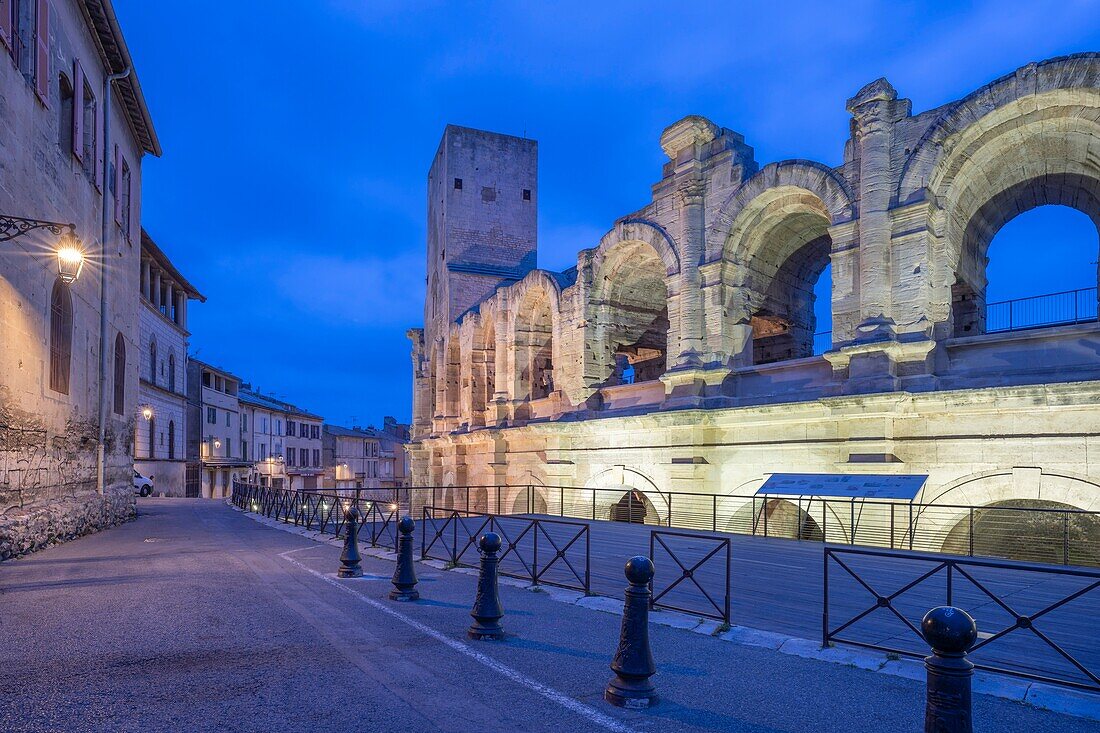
1026	140
535	317
612	486
627	325
483	366
773	239
945	507
816	178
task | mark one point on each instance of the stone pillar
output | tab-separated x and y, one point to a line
691	347
156	289
170	299
875	110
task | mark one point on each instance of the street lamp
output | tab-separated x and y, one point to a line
147	412
70	254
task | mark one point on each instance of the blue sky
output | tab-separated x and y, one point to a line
297	138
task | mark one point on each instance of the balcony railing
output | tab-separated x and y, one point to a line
1055	309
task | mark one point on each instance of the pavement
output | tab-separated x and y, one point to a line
194	617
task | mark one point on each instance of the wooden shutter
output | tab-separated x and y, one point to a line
5	22
117	184
42	51
78	111
131	229
99	157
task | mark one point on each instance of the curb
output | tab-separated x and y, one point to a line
1056	699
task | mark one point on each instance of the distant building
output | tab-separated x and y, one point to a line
66	460
366	458
282	442
213	429
160	434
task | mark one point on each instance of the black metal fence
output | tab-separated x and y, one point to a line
321	511
1054	309
1034	622
541	551
688	556
1028	533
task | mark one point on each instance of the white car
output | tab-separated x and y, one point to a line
143	485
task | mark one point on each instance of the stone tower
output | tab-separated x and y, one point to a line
482	204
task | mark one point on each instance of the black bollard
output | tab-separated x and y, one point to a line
950	632
404	575
487	612
631	687
350	558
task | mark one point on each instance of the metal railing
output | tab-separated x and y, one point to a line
689	554
322	511
1016	606
541	551
1033	534
1053	309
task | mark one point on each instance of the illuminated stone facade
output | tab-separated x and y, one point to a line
678	354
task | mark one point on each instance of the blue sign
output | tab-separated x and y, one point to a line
848	486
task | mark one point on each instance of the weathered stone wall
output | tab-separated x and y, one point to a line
48	438
26	530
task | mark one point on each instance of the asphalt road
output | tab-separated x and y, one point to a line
196	618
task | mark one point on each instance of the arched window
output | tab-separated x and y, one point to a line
120	375
152	437
153	360
171	372
61	336
171	439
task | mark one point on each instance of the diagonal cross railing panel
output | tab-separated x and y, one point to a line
699	562
1013	603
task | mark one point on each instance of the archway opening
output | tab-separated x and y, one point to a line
1029	258
631	317
534	352
529	501
1000	529
785	247
776	518
634	507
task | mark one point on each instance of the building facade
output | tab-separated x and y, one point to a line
678	354
69	384
160	450
214	428
282	441
366	458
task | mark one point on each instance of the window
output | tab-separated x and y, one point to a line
316	432
61	336
263	424
290	455
65	115
126	204
212	415
120	375
278	427
244	421
458	184
152	437
263	451
228	414
153	361
171	439
290	427
316	457
206	379
171	372
526	194
228	447
244	449
89	128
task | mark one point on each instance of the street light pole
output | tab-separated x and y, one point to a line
101	452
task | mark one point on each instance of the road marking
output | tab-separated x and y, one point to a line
519	678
